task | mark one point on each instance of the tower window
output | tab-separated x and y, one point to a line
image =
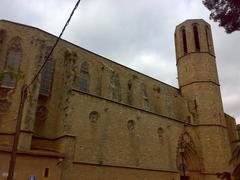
206	31
196	38
184	39
84	76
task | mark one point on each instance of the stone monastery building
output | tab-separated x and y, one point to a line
89	118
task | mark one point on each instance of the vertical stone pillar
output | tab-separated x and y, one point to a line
31	102
68	149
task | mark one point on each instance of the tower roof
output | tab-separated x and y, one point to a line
192	21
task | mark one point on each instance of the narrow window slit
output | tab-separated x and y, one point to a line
184	39
206	31
196	38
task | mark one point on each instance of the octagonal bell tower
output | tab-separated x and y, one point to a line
199	85
197	71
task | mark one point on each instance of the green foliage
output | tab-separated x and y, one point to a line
225	12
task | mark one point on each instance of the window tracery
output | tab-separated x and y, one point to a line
12	63
46	75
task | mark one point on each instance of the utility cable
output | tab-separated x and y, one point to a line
54	46
23	97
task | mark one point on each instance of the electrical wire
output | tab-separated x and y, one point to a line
23	98
54	46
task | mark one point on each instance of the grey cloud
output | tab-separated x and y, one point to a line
136	33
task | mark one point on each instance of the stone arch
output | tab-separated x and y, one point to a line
187	155
207	38
184	40
196	37
15	44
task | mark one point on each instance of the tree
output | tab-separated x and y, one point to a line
225	12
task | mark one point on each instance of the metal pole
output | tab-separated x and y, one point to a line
17	133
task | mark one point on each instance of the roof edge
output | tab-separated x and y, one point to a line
77	46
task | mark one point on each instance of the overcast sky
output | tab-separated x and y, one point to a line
136	33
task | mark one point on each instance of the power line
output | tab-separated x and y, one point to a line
54	46
23	98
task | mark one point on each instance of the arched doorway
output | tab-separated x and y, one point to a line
188	161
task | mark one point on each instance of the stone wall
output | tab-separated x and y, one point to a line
109	120
107	79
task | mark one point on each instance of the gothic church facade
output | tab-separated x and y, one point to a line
87	117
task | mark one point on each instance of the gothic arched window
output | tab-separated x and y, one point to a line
46	75
196	38
11	68
84	77
184	40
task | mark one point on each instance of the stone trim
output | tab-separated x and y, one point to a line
200	82
194	53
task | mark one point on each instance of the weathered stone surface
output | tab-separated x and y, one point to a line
121	124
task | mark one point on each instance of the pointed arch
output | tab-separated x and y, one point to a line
184	41
187	153
196	37
12	64
207	38
84	77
